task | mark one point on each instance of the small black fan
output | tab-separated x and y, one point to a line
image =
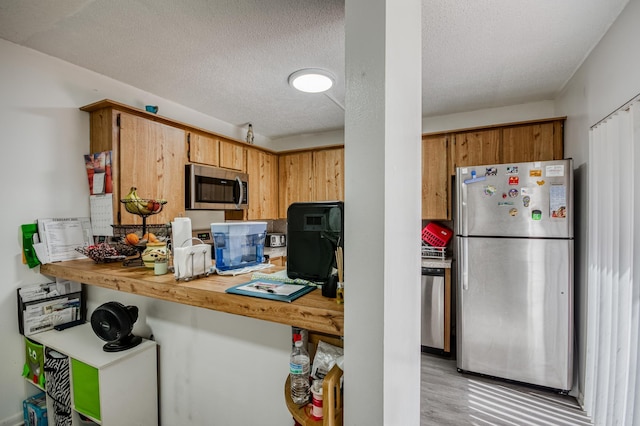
113	322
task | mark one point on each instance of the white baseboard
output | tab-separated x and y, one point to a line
15	420
580	400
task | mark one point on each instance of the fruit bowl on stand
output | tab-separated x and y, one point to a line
143	207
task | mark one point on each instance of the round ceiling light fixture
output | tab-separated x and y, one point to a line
311	80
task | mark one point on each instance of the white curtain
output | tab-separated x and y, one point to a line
612	379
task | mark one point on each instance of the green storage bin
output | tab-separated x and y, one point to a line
34	362
86	389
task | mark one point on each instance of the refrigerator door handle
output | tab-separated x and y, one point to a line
464	275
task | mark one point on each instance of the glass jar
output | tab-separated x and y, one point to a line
160	267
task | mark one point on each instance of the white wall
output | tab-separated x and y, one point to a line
488	117
215	368
382	213
609	77
441	123
311	140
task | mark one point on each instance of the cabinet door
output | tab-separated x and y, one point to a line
151	158
202	149
295	179
534	142
278	261
232	156
435	179
328	174
262	168
86	389
477	147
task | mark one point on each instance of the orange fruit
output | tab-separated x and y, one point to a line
132	239
150	237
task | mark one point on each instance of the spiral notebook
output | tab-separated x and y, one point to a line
274	290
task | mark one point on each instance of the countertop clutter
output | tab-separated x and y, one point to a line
311	311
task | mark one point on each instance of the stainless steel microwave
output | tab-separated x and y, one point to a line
212	188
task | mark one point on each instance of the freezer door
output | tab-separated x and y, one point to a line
515	309
515	200
432	324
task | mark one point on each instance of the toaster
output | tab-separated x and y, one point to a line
276	240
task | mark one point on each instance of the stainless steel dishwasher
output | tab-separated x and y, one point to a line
432	318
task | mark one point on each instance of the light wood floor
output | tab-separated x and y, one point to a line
449	398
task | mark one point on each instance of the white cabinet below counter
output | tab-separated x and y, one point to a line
110	388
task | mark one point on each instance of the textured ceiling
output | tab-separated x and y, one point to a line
230	59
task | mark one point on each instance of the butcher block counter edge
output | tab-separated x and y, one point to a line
311	311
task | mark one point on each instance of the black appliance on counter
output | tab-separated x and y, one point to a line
314	232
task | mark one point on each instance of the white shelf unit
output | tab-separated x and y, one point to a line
127	384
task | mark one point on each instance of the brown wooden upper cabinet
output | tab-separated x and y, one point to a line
150	152
203	149
435	177
314	175
212	151
533	142
477	147
538	140
295	179
147	154
232	156
262	168
509	143
328	174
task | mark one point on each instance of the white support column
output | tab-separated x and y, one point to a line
382	212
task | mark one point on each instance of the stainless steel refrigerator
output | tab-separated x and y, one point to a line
514	253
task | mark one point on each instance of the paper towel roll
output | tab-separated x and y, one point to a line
181	233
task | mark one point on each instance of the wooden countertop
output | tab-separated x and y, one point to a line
311	311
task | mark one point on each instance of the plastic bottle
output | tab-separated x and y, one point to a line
299	374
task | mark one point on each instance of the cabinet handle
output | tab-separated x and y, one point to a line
241	191
464	272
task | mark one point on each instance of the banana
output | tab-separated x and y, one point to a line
129	201
142	207
129	205
134	204
132	193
